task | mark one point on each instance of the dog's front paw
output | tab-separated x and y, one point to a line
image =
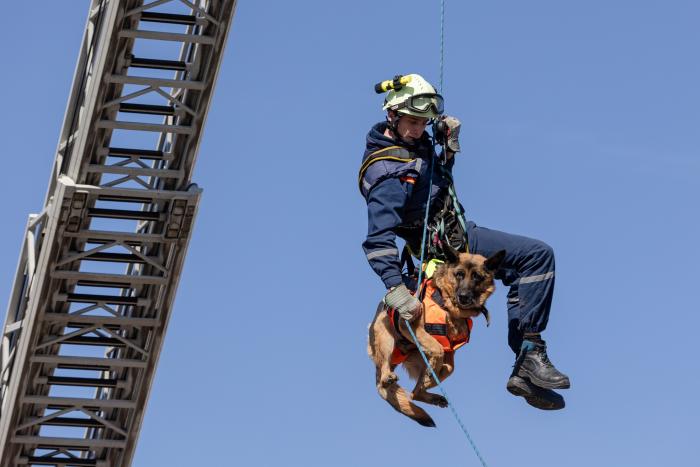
389	379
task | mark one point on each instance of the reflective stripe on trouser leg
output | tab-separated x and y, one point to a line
536	278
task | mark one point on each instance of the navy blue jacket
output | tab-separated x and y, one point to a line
396	193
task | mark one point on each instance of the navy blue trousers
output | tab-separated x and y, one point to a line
528	269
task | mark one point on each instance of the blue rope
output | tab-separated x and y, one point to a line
444	393
422	258
415	339
442	41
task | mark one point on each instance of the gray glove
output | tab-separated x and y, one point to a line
400	299
453	127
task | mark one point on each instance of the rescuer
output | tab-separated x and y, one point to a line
395	182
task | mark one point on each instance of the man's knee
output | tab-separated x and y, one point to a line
542	252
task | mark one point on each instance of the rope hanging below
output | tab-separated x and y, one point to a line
422	255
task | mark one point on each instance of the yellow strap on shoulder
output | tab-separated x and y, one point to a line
391	152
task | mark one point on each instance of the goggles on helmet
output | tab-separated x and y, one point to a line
422	103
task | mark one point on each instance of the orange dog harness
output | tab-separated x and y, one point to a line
435	324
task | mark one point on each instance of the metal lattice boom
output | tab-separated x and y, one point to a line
100	265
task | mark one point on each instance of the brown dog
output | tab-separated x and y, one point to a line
465	281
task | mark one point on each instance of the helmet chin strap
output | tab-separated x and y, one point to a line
394	128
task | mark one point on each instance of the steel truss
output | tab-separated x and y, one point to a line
100	265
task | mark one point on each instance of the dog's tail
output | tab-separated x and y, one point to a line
397	397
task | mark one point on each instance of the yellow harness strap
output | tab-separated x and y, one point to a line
392	153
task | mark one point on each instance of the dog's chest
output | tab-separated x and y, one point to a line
457	329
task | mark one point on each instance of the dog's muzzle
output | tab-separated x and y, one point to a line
465	301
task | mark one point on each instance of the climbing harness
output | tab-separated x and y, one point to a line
448	228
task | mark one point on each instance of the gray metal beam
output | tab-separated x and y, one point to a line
156	82
91	443
46	401
131	279
168	36
58	306
55	360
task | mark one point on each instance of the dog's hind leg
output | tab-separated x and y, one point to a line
422	395
399	399
424	380
381	346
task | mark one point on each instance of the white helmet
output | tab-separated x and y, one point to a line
418	98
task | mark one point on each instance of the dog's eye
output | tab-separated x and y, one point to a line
459	275
477	277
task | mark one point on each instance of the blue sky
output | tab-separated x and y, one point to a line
580	128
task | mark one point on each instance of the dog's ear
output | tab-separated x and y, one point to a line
494	261
451	255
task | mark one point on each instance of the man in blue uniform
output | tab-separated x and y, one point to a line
395	182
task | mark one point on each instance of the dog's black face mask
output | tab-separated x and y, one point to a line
474	279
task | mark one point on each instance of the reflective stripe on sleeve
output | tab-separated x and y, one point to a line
385	252
537	278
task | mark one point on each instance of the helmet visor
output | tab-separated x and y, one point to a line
431	104
424	103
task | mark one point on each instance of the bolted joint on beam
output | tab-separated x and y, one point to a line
74	210
180	218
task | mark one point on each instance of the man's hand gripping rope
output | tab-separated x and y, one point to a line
406	304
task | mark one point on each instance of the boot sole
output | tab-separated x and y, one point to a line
523	373
533	396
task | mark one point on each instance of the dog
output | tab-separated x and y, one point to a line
464	282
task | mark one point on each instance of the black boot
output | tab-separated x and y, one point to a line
534	365
544	399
